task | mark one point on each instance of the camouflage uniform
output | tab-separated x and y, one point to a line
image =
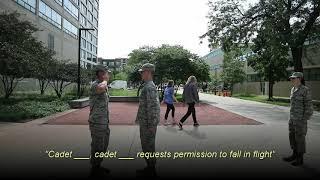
300	111
148	117
98	122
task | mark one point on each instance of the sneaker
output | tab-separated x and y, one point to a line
166	122
180	126
196	124
174	121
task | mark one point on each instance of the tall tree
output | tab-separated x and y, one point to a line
62	75
234	22
41	66
271	55
233	69
16	50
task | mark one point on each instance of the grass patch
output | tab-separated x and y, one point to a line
179	97
123	92
31	106
260	98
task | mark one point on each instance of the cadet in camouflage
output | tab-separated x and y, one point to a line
99	117
148	115
300	112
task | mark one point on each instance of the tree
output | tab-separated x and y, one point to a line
231	24
62	75
171	62
86	76
16	50
141	55
41	67
271	56
233	69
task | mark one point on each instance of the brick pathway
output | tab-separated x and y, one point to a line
125	114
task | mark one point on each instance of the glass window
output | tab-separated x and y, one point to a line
94	58
94	49
82	20
88	45
70	28
49	14
51	42
89	57
28	4
95	22
95	13
90	6
76	2
83	43
90	16
83	54
59	2
83	8
94	40
72	9
95	3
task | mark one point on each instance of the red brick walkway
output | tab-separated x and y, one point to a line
125	114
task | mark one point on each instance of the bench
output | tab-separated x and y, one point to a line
79	103
84	102
124	99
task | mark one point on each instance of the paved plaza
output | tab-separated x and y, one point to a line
24	145
123	113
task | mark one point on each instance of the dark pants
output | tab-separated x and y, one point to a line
191	110
100	134
169	107
297	136
148	139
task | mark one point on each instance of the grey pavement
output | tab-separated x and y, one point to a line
23	146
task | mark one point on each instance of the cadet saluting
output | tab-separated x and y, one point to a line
99	118
148	116
300	111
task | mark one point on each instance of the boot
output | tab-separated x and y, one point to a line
298	161
290	158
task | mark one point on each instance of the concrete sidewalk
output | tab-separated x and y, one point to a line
23	146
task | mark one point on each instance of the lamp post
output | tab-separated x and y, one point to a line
79	57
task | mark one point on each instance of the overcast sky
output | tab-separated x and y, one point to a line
125	25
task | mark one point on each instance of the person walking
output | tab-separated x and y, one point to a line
191	97
169	99
148	117
301	111
99	119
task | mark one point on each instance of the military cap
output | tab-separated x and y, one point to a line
147	67
296	75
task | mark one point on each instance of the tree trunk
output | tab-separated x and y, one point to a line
297	58
9	85
43	84
231	90
270	98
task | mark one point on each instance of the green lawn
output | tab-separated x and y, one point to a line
31	106
260	98
123	92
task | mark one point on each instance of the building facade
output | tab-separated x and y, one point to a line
117	64
58	22
256	85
